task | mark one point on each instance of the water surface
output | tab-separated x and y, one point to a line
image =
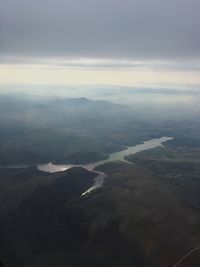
130	150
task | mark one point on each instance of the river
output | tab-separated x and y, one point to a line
130	150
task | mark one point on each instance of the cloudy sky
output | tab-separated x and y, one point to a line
129	42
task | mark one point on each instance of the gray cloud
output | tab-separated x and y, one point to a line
134	29
103	63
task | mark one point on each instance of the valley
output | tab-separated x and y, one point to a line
145	213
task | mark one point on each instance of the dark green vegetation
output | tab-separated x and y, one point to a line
156	215
34	219
177	163
147	214
57	131
34	130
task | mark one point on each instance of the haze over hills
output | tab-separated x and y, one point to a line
76	130
130	220
99	133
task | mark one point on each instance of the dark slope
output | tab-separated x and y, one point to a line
146	215
136	219
154	213
74	130
33	217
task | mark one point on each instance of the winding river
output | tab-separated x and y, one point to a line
130	150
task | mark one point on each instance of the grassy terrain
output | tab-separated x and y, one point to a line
64	131
177	165
147	214
78	130
53	145
160	215
142	216
33	217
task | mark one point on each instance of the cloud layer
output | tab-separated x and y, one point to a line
128	29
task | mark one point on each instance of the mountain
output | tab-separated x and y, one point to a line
34	218
145	215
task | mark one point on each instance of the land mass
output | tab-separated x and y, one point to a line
147	214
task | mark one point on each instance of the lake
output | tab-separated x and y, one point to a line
130	150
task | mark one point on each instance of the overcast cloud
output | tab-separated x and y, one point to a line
119	29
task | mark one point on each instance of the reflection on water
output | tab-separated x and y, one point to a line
98	182
51	168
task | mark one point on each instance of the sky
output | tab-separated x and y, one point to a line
152	43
